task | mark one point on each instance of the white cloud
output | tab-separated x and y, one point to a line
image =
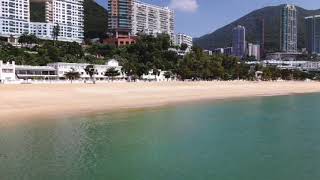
184	5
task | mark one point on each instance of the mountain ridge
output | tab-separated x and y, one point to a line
222	37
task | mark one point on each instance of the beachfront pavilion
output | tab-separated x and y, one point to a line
36	73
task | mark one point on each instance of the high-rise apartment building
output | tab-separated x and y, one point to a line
313	34
120	23
183	39
288	40
239	41
120	17
67	14
151	19
254	51
14	17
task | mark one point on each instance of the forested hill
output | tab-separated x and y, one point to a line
271	15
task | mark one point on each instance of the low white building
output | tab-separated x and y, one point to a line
311	66
298	65
62	68
7	72
218	51
10	72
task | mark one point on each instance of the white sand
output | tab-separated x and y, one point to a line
27	102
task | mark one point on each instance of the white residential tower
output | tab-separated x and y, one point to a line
151	19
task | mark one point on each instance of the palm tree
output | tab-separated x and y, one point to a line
156	73
72	75
112	72
91	71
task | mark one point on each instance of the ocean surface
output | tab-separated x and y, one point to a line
270	138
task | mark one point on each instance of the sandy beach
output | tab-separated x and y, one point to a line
27	102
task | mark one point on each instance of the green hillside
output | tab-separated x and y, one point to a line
95	20
271	15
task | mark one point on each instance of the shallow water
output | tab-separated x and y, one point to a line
262	138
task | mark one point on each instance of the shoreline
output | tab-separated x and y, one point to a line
20	103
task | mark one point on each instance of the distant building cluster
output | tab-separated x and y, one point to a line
66	14
288	38
127	19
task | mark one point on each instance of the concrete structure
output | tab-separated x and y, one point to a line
68	14
227	51
292	65
218	51
183	39
152	19
209	52
121	40
289	31
313	66
239	41
313	34
254	50
283	56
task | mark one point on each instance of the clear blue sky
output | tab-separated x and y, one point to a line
199	17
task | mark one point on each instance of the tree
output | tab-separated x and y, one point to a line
72	75
183	46
168	75
112	72
91	71
55	32
155	72
28	39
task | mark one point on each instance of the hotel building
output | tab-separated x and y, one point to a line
152	20
288	39
313	34
239	41
68	14
183	39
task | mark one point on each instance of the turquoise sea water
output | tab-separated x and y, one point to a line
268	138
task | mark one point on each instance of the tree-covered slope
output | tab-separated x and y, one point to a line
271	15
95	20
